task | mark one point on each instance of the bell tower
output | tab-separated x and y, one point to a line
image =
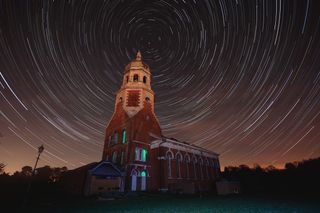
136	87
133	125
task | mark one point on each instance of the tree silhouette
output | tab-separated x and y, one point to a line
26	170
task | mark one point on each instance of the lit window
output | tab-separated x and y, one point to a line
136	78
124	136
141	154
143	174
144	155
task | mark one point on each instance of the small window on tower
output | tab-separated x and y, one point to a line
135	78
127	79
147	99
124	136
144	79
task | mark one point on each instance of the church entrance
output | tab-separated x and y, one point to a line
134	181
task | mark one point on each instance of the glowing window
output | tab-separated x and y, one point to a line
124	136
143	174
141	154
144	155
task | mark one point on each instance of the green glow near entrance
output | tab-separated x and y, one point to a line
143	174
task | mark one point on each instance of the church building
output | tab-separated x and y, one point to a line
134	143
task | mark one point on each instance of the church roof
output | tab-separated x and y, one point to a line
102	168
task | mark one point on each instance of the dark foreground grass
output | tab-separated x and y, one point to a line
180	203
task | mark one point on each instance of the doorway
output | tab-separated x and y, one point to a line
134	181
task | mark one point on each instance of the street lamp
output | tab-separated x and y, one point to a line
40	150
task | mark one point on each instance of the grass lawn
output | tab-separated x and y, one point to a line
181	203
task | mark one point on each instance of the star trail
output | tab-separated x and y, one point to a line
241	78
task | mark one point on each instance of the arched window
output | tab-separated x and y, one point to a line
134	172
194	162
147	99
143	173
179	160
169	157
187	161
144	79
122	158
140	154
134	175
115	138
207	169
135	78
212	169
124	136
114	157
201	167
110	141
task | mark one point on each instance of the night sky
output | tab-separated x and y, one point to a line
241	78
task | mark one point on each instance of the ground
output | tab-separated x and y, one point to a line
178	203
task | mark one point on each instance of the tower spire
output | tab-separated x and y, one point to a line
138	56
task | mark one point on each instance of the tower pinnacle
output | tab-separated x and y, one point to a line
138	56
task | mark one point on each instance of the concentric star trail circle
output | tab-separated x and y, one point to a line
241	78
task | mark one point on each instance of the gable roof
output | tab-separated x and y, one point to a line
106	169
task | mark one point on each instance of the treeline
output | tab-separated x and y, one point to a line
34	185
46	173
301	178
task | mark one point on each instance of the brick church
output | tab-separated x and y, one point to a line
135	145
